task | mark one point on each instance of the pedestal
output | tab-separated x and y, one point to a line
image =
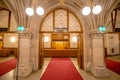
100	71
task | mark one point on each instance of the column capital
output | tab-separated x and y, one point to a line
96	35
25	35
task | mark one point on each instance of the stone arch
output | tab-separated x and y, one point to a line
41	28
69	12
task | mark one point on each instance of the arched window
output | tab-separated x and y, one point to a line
61	19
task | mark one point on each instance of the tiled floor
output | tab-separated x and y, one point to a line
36	75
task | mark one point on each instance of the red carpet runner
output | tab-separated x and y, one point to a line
7	66
113	65
61	69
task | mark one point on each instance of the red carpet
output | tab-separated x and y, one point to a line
7	66
113	65
61	69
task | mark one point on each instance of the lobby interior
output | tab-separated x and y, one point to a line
60	29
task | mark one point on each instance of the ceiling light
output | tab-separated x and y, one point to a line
39	10
86	10
29	11
97	9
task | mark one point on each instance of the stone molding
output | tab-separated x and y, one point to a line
25	35
23	71
100	71
97	35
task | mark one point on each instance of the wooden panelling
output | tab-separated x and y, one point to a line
60	45
60	52
60	37
14	52
4	52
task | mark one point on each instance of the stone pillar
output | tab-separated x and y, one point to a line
24	67
98	63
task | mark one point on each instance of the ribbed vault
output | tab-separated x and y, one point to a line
89	22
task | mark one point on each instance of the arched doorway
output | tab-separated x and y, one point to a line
61	36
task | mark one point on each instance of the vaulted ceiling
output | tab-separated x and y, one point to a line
72	5
2	5
118	6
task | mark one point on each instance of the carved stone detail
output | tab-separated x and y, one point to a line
23	70
96	35
25	35
100	71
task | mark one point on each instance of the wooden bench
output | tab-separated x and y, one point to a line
4	52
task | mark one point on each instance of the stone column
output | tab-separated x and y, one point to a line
24	67
98	63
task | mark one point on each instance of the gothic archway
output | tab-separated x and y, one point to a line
61	36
